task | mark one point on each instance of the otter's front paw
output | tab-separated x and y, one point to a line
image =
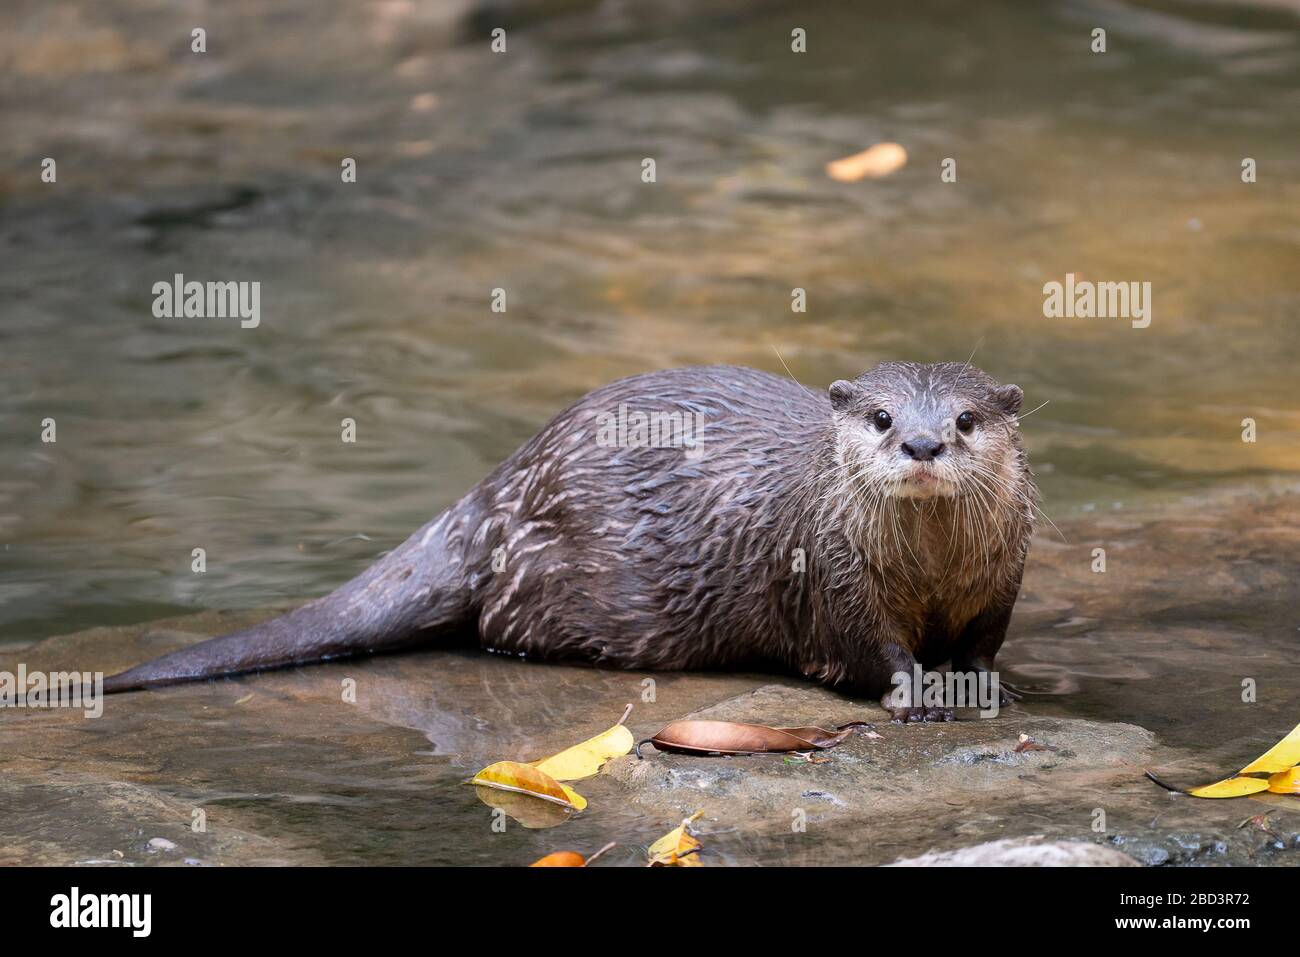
900	715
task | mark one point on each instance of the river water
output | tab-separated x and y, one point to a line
522	171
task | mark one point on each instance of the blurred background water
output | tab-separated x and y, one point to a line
522	171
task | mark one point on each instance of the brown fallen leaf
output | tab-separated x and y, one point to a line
730	737
873	163
1260	821
569	858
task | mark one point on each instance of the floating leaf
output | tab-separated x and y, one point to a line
1285	782
880	160
585	759
730	737
677	848
569	858
526	779
1282	756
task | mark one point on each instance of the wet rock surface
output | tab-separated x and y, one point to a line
1141	666
1031	851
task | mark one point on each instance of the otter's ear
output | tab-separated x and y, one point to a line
842	394
1008	398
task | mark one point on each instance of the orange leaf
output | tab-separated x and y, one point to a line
570	858
561	859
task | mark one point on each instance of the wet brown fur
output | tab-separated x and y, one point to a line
652	558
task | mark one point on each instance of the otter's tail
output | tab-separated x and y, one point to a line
412	593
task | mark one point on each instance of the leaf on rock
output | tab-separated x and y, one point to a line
1281	757
1285	782
1230	788
1279	762
730	737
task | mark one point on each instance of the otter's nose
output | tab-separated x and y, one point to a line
922	449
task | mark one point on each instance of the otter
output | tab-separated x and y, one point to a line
845	536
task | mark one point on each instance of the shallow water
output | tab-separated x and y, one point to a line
522	171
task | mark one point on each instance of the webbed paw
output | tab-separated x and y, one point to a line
909	715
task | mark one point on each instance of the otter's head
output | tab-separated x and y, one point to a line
922	431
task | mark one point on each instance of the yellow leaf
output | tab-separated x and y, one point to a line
1230	788
1285	782
585	759
675	848
1283	755
526	779
1278	761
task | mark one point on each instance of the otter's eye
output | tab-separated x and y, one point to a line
965	422
882	420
